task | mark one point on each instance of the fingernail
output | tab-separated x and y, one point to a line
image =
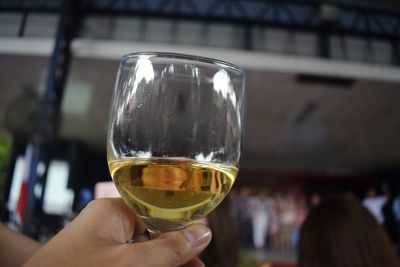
197	234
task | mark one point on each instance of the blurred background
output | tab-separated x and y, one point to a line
323	113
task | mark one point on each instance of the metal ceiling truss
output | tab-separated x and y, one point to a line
323	19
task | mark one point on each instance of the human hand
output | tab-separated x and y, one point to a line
15	248
99	235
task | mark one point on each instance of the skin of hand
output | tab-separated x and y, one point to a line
15	249
99	235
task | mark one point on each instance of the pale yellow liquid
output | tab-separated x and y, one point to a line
172	189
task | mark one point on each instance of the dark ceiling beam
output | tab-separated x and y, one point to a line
290	14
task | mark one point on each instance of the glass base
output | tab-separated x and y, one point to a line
157	227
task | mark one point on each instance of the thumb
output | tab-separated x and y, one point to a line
172	249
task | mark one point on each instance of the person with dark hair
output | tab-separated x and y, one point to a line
341	232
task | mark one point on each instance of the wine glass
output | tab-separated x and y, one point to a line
175	135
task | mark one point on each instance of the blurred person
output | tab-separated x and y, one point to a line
396	207
102	235
341	232
301	214
274	224
315	199
244	220
374	203
223	249
389	218
260	219
396	212
288	221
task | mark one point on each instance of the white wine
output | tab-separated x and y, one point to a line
172	189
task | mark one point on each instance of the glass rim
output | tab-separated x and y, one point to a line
194	58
